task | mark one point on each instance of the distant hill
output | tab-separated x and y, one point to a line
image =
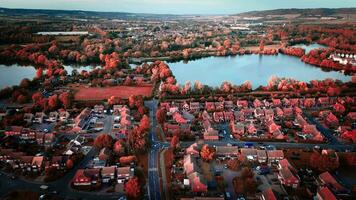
78	14
324	12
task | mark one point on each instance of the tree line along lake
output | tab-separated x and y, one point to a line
213	71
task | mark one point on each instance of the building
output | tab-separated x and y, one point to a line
325	194
108	174
287	174
39	117
124	174
211	134
250	154
261	156
275	155
227	151
87	177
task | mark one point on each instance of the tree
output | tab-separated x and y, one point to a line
69	164
144	123
323	162
161	114
39	73
132	188
233	164
66	99
174	141
103	140
118	147
207	153
25	83
53	102
247	173
262	45
339	108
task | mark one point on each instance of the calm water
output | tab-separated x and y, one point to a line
258	69
13	74
310	47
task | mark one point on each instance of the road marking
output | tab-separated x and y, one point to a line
153	169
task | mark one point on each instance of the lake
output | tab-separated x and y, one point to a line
13	74
258	69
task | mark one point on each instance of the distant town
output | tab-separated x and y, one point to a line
97	105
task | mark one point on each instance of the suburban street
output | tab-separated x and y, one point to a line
62	186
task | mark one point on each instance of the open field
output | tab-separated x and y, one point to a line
95	93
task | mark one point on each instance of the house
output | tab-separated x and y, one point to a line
193	149
97	163
242	103
209	106
49	139
63	115
257	103
324	101
287	174
228	116
177	117
190	164
59	162
87	177
269	114
250	154
326	179
251	129
40	138
104	154
26	163
227	151
286	102
218	116
124	173
37	163
211	134
294	102
331	120
268	194
81	120
194	106
261	156
99	109
28	117
219	105
239	116
275	155
27	134
276	102
197	182
53	116
228	105
39	117
237	128
288	112
13	130
258	112
325	194
279	112
108	174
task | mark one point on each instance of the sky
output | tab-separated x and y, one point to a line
175	6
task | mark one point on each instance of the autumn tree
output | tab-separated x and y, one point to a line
69	164
66	99
233	164
118	147
207	153
262	45
323	162
174	141
103	140
144	123
132	188
161	114
53	102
